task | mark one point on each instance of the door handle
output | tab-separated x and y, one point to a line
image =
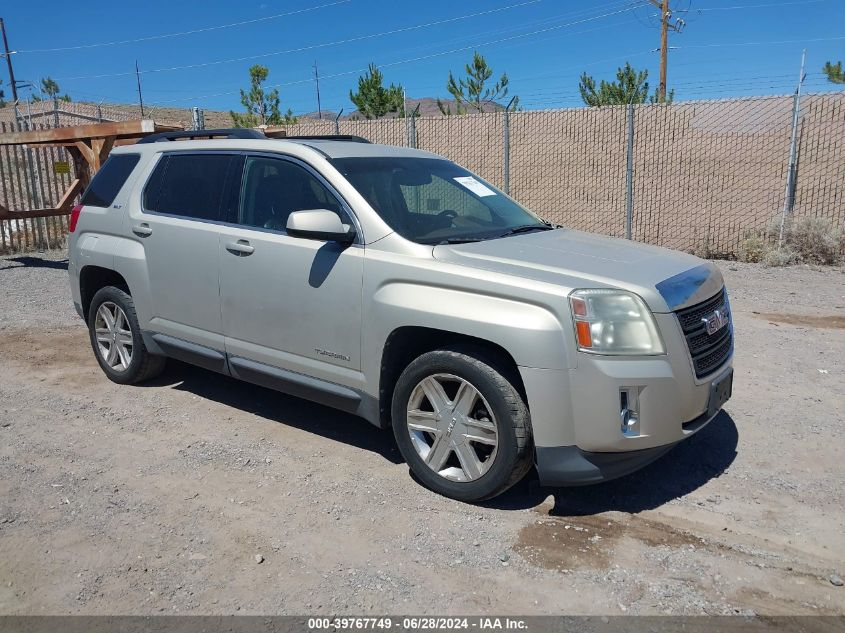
240	248
142	230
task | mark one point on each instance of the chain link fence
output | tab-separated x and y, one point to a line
695	176
702	174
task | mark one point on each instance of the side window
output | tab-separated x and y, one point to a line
189	185
274	188
108	182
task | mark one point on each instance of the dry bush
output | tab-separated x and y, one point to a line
753	248
781	256
817	241
808	240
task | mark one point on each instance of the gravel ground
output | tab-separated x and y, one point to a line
164	498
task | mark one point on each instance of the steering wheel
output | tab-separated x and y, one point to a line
448	213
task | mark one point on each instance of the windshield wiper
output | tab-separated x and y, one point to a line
526	228
460	240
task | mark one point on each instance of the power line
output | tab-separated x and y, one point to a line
310	46
180	34
758	6
773	42
420	57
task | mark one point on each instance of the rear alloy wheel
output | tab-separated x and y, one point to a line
116	338
461	424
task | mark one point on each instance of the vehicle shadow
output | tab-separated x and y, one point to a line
324	261
34	262
687	467
278	407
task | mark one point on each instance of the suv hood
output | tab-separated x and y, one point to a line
667	280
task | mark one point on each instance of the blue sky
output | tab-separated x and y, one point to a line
543	45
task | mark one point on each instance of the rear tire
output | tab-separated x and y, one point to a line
461	424
116	338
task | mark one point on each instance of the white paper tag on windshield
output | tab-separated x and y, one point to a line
478	188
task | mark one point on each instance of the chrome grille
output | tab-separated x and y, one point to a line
708	351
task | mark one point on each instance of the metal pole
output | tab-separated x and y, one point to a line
336	122
789	201
317	79
407	122
507	142
629	175
138	79
412	131
12	82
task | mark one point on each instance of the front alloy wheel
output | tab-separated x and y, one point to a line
452	428
461	422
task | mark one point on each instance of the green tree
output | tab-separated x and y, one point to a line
2	96
262	108
49	87
473	89
373	100
834	72
631	86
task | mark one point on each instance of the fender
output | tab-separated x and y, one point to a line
125	257
530	333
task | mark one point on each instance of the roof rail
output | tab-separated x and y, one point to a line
349	138
189	134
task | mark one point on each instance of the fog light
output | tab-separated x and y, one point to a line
629	410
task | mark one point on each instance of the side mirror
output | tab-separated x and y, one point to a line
319	224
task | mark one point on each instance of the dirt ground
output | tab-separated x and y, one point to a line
159	498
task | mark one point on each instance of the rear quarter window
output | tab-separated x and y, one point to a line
188	185
108	182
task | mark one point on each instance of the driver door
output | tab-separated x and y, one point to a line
289	302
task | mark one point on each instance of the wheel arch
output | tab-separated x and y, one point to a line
406	343
92	278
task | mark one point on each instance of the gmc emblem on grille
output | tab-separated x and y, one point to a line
716	321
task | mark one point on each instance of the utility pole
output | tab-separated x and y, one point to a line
317	79
138	79
664	47
665	25
12	82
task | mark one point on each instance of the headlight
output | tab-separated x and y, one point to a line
614	322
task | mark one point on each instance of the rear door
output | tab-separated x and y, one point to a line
290	302
184	207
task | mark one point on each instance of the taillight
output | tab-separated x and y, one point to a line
74	218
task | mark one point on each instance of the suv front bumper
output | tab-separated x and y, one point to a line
575	413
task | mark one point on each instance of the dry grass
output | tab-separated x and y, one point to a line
808	240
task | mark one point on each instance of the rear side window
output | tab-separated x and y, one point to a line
190	185
108	182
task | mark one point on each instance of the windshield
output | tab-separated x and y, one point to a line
435	201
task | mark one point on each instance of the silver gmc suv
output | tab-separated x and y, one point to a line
393	284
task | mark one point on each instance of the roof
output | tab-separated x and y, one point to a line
347	149
326	148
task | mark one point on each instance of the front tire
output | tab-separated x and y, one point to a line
461	424
116	338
